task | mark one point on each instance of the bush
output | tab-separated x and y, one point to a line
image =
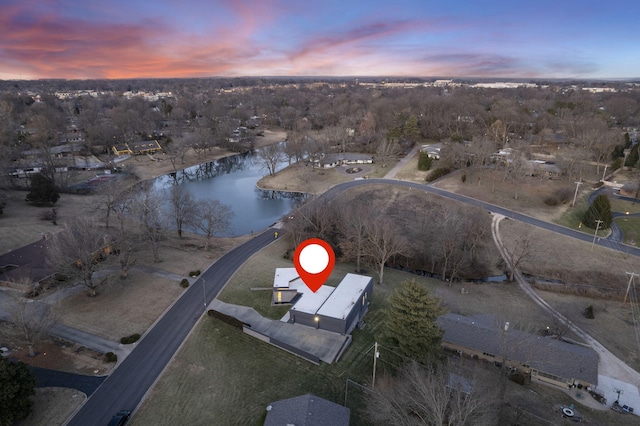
111	357
184	283
551	200
438	173
588	312
130	339
463	178
424	161
616	164
194	273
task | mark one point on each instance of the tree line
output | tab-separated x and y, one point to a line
386	227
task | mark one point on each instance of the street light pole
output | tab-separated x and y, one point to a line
595	234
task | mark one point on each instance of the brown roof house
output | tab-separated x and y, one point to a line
25	265
546	359
306	410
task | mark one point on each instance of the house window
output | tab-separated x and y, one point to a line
279	297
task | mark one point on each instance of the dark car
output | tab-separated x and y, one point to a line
120	418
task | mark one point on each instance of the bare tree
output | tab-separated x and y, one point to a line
269	157
517	170
212	217
183	207
522	251
32	318
79	251
388	151
451	242
149	219
295	147
432	396
317	219
383	241
110	195
354	226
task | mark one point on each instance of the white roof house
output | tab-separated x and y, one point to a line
348	293
284	277
336	309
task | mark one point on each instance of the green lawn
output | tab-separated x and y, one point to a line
622	206
630	228
572	218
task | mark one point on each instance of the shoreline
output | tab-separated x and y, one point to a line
143	168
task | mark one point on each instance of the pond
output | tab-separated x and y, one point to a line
232	180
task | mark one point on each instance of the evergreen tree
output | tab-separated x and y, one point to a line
43	191
410	324
600	209
424	161
16	388
633	157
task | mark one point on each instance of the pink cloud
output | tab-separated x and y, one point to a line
50	45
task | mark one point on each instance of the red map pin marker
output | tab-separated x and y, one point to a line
314	261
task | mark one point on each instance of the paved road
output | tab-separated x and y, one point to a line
127	384
614	245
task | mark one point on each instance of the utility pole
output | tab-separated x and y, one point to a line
631	275
595	234
376	354
575	194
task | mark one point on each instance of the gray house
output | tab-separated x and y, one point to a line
544	358
306	410
338	310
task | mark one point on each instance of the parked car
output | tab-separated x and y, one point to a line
120	418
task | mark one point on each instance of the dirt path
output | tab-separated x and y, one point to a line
609	365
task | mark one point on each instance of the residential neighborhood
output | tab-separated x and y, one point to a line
485	237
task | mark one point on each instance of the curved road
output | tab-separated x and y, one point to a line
130	381
614	245
127	384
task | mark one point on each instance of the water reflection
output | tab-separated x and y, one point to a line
232	180
212	169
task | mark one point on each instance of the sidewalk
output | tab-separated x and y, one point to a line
325	345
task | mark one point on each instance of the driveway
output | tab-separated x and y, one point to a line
61	379
613	373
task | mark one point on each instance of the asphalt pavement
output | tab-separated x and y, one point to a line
127	385
62	379
613	245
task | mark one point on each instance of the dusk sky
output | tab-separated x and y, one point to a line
76	39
